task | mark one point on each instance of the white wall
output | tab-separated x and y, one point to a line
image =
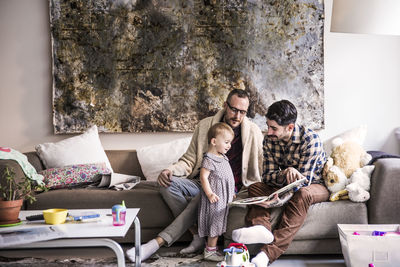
362	84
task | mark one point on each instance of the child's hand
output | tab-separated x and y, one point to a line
212	197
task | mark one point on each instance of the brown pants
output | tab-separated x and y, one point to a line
293	216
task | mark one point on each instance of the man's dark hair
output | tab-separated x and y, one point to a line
238	92
283	112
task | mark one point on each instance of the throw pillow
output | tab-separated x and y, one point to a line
356	134
155	158
81	149
73	175
397	133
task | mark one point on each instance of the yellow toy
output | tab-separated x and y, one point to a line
346	157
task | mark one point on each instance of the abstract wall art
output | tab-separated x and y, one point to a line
158	65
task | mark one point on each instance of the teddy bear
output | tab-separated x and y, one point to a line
345	159
360	183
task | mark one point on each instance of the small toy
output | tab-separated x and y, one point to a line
236	255
377	233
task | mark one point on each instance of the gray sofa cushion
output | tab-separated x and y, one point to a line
321	221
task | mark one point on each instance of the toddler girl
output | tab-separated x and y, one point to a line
218	187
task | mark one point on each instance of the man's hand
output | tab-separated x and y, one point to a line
212	197
164	179
269	203
276	201
291	174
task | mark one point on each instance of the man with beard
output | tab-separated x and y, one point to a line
180	181
291	152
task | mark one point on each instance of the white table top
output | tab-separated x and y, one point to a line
101	228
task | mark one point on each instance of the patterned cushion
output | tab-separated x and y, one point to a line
73	175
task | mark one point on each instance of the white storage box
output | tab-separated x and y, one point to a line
364	249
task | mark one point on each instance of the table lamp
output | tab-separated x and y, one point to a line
366	16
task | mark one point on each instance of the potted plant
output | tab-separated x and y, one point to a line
12	195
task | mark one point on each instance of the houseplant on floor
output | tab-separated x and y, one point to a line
12	195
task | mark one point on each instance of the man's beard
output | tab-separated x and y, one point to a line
231	122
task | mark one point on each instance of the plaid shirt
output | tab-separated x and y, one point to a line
304	152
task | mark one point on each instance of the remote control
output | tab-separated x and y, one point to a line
36	217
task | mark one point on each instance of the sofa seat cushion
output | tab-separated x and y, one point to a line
154	213
321	221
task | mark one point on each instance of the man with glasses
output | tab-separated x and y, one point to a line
180	181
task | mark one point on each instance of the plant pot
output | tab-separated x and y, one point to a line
9	211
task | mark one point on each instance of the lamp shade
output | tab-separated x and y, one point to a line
366	16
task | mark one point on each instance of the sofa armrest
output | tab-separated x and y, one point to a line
16	168
384	203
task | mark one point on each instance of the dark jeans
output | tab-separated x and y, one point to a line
293	216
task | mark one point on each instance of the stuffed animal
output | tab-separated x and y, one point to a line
346	157
335	180
360	183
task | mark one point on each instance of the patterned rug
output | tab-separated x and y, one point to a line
167	259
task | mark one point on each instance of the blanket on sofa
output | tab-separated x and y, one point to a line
29	170
380	155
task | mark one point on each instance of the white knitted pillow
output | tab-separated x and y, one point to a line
155	158
81	149
356	134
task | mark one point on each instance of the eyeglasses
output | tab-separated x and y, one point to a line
235	110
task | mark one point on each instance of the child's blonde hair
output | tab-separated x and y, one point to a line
217	129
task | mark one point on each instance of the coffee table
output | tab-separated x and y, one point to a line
85	234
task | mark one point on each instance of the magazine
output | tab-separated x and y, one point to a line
117	181
29	235
254	200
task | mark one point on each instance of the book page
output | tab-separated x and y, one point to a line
29	235
119	178
117	181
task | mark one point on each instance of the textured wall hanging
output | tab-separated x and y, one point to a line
158	65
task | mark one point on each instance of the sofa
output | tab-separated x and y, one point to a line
318	235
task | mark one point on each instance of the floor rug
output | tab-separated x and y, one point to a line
163	260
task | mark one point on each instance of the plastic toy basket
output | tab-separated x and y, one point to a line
365	249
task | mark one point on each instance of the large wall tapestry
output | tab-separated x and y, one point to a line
163	65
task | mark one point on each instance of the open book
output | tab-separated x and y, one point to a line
254	200
117	181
